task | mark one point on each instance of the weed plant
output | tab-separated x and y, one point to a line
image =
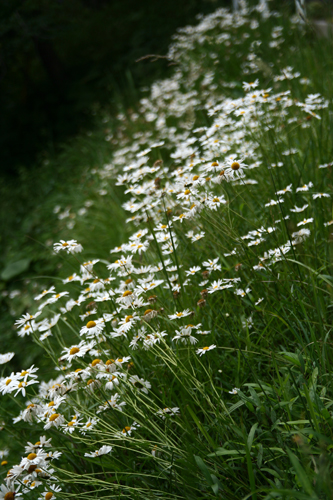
194	362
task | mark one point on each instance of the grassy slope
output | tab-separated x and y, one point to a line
249	453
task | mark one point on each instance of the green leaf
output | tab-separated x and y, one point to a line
260	455
301	360
200	427
14	269
251	435
211	479
249	461
314	378
222	451
272	471
204	469
255	397
250	406
301	474
292	358
217	485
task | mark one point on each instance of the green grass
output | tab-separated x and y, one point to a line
252	416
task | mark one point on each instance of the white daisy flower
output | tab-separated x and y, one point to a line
49	494
77	351
192	270
4	358
205	349
71	246
140	383
181	314
26	318
93	328
320	195
234	390
54	420
305	221
304	188
104	450
297	209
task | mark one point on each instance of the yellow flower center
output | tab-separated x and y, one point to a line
54	417
215	164
195	177
65	244
74	350
148	311
51	403
235	165
48	495
95	362
27	327
128	281
10	495
205	348
187	191
126	429
96	281
127	293
8	381
4	462
90	324
31	456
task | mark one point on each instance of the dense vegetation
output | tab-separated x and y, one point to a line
187	352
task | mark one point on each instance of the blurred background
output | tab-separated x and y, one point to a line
59	59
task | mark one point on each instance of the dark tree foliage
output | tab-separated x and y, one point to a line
59	57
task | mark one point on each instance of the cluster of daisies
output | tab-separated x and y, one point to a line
149	295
